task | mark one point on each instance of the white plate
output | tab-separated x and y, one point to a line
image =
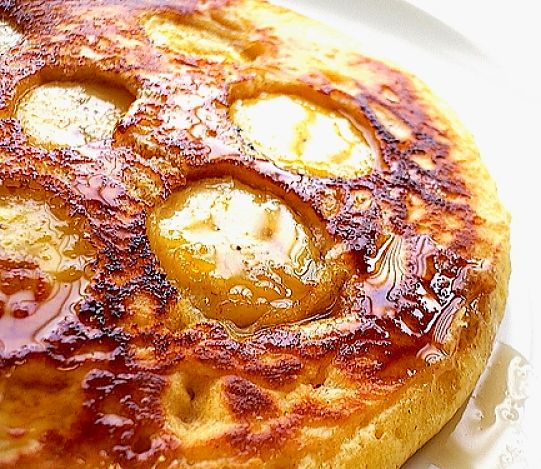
499	105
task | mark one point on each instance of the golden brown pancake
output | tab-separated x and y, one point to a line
228	238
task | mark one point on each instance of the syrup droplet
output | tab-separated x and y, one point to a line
386	273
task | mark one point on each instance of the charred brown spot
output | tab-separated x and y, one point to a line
246	399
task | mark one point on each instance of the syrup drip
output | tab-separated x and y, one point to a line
404	286
96	182
387	273
99	188
26	319
43	261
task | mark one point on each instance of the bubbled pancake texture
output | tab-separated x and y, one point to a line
118	380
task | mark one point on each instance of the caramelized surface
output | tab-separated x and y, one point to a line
134	330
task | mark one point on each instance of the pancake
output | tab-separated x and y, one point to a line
228	238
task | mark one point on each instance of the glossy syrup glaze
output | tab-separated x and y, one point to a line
127	331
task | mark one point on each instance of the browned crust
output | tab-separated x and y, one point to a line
374	360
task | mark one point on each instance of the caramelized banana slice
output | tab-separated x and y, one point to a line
243	254
303	136
9	36
69	114
199	40
30	228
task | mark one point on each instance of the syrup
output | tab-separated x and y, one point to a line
27	320
42	271
403	285
99	188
